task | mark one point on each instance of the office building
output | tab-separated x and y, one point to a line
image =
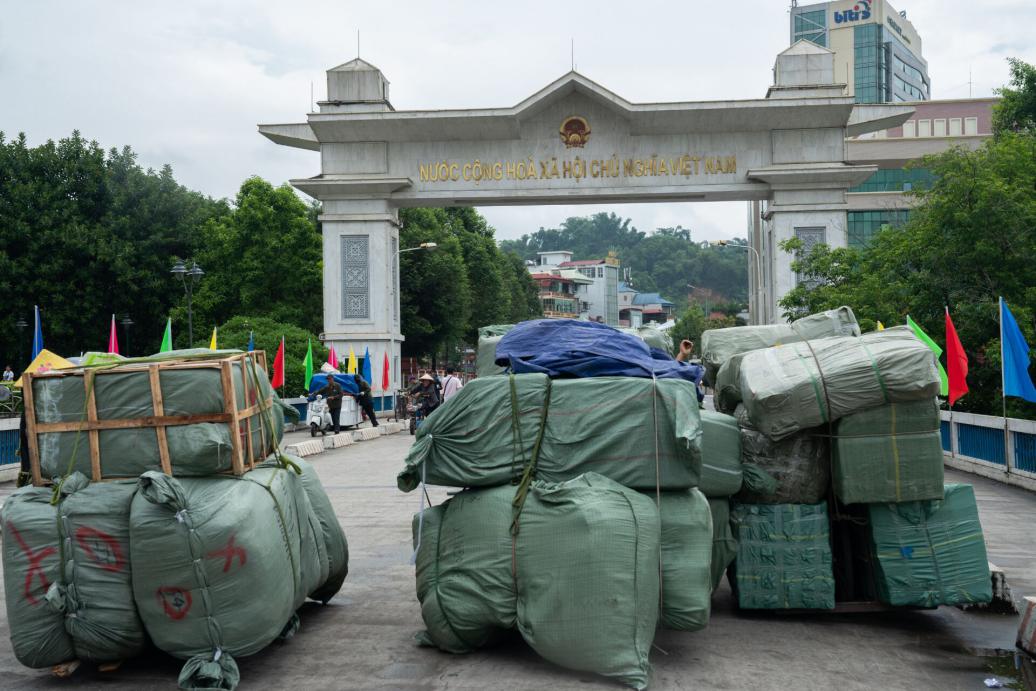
877	49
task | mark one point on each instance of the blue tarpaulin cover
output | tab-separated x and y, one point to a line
573	348
349	386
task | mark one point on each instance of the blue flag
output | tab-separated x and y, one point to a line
1016	357
251	341
367	365
37	338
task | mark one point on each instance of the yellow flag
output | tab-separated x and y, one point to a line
881	327
212	343
351	369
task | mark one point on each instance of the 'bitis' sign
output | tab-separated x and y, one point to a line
859	11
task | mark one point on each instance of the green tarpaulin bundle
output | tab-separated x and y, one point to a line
687	534
719	345
727	384
931	553
579	579
335	544
641	433
890	453
653	336
724	544
802	385
485	355
67	573
124	392
721	472
799	465
220	565
783	556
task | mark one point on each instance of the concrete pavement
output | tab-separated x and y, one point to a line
364	638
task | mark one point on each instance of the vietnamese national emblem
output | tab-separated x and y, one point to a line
575	132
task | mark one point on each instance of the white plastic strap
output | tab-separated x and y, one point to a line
420	513
217	655
181	515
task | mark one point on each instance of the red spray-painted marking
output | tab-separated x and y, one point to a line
176	602
228	553
101	548
35	570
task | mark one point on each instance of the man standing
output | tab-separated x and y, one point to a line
332	393
364	399
8	374
451	384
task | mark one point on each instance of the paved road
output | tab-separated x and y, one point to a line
364	638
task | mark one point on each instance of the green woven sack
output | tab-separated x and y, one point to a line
580	578
221	564
724	544
783	556
82	611
334	542
197	449
687	548
485	355
931	553
640	433
892	453
721	472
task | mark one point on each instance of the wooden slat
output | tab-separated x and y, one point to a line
245	364
159	410
30	425
92	434
230	408
130	423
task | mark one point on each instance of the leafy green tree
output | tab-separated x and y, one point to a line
268	332
263	257
1016	110
84	234
689	327
435	301
971	239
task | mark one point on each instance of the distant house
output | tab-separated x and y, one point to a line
654	307
595	283
630	315
559	293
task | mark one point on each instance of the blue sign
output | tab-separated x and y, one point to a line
861	10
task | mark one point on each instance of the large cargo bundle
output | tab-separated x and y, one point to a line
687	546
724	544
639	432
653	336
220	564
931	553
783	556
485	356
719	345
891	453
335	544
85	610
799	463
803	385
579	578
727	385
721	471
185	414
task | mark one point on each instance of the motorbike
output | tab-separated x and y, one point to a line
415	411
319	416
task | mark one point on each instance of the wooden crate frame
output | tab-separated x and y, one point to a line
243	456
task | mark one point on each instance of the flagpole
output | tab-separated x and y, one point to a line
1003	387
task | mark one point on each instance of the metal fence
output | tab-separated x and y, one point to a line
9	441
981	439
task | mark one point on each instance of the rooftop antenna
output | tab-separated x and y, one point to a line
573	40
311	96
357	44
969	82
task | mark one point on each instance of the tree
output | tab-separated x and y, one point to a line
1016	110
268	332
688	327
84	234
970	240
263	257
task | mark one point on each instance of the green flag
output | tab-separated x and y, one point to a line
308	362
944	385
167	339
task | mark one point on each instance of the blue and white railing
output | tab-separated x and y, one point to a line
977	443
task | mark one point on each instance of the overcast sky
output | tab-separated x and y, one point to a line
186	82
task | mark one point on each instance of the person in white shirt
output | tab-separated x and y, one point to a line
451	384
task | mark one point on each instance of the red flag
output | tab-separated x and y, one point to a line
332	358
385	374
956	362
278	367
113	339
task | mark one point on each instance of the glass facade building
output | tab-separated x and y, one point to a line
862	226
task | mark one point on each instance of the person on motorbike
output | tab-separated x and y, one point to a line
427	394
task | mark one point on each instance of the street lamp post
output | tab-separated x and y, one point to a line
21	324
422	246
189	278
126	324
758	273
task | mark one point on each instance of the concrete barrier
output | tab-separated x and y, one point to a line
337	441
306	448
366	434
